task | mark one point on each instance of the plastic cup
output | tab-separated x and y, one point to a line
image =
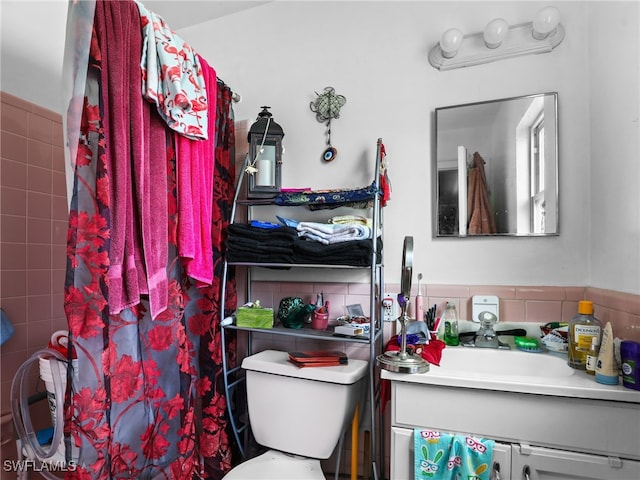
319	321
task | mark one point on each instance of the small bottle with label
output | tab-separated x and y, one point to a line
630	356
450	320
583	328
592	356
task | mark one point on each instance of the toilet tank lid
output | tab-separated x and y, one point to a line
276	362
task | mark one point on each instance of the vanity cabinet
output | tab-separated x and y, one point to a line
537	436
523	462
402	456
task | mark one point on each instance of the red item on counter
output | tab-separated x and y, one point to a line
431	352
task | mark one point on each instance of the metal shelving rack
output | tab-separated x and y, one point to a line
234	375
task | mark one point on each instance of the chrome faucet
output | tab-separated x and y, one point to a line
486	336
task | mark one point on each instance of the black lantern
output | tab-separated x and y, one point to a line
265	156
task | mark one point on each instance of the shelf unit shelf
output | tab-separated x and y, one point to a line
327	335
295	265
234	375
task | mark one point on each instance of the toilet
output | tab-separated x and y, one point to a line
298	413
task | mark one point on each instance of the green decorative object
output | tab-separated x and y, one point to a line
254	317
293	313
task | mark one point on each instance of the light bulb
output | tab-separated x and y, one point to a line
450	42
495	32
545	22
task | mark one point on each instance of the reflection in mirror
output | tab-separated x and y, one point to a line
508	151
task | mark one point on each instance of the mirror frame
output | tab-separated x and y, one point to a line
436	171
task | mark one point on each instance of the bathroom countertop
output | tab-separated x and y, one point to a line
572	383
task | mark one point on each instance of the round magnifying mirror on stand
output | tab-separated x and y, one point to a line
402	361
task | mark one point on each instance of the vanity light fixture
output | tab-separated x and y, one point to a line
450	42
495	32
498	41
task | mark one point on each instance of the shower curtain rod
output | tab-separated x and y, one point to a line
235	96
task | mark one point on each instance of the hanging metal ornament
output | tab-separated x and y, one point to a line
327	107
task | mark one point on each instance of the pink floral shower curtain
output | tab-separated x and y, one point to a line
147	399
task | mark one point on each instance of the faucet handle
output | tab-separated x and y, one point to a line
487	319
516	332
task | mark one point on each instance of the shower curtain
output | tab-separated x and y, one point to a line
147	399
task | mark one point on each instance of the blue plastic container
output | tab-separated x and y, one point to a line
630	356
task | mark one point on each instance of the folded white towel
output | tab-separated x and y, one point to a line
323	228
329	233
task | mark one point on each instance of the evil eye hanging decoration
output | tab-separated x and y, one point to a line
329	154
327	107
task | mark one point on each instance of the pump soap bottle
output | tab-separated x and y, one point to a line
583	328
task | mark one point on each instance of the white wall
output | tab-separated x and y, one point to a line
32	36
615	155
375	53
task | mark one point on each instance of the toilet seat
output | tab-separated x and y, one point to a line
275	465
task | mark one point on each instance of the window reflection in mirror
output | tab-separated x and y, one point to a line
507	151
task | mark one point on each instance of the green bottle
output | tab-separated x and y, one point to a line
450	319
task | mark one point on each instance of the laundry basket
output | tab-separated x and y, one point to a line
53	368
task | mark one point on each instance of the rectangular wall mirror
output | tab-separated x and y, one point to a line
507	151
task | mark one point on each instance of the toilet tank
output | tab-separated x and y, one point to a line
297	410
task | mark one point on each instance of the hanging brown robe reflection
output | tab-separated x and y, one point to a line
480	217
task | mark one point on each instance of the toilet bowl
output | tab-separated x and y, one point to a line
298	413
275	465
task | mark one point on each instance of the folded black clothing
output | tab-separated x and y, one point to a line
328	256
247	250
239	243
246	243
356	253
353	247
259	257
351	262
282	233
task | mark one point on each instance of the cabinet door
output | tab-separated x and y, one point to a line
402	456
537	463
401	453
501	462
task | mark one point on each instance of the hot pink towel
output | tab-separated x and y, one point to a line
195	160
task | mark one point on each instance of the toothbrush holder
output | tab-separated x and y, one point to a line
319	320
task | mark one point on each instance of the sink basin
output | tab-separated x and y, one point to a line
481	362
513	371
